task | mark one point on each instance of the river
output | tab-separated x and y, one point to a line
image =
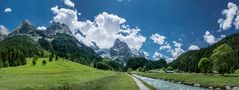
165	85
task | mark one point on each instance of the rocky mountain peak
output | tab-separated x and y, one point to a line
120	49
120	45
24	28
57	27
26	22
3	31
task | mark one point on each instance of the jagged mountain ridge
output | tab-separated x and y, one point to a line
24	28
57	27
60	40
120	51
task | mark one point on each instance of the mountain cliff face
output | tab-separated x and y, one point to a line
120	49
59	39
3	32
120	52
57	27
24	28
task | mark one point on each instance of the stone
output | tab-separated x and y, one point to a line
196	85
235	88
228	88
210	87
218	89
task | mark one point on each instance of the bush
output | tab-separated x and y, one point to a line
35	57
130	70
50	58
34	62
44	62
56	58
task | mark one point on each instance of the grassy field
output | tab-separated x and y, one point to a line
62	75
202	79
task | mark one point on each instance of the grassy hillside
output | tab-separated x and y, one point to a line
62	74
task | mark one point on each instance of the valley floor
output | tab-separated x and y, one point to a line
62	75
192	78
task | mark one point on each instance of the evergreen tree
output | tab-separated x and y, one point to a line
44	62
50	58
34	61
56	58
42	53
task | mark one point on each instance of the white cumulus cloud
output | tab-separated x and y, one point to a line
176	44
177	51
157	38
146	54
236	22
209	38
229	13
165	46
7	10
3	30
103	30
157	55
41	28
69	3
193	47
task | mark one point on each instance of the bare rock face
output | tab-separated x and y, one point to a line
120	52
24	28
120	49
3	31
57	27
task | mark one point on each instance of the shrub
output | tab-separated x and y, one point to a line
56	58
34	62
129	70
50	58
44	62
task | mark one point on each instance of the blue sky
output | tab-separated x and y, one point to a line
182	21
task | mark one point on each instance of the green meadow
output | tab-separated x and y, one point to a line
62	75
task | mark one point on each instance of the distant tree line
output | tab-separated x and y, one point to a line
189	61
143	64
11	57
15	49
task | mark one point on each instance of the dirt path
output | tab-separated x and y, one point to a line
140	84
